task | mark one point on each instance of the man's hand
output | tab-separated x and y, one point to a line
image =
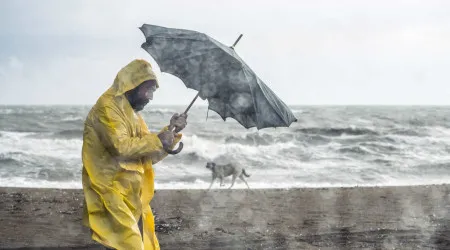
166	138
178	122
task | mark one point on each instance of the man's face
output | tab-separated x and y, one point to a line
141	95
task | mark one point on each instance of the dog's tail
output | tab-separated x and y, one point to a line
243	171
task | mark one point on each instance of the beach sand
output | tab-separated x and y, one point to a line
411	217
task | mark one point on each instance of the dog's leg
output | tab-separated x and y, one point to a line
233	180
242	178
221	181
212	181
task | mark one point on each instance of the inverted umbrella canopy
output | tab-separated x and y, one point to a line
218	74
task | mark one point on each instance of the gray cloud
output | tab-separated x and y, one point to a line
321	52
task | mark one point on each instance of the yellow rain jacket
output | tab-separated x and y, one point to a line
118	154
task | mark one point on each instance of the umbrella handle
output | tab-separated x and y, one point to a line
176	151
171	127
180	146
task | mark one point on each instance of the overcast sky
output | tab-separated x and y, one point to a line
307	52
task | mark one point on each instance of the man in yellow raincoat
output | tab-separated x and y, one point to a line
118	154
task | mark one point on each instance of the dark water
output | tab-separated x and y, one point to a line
40	146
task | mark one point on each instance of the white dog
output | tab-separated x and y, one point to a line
221	171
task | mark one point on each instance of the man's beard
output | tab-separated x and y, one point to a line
136	103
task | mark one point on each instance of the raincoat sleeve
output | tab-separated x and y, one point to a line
113	132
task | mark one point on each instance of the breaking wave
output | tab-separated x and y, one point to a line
338	131
41	147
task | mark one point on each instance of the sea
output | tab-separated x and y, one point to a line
329	146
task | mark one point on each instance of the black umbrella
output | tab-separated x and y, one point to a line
218	74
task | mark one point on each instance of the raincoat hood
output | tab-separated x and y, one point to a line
132	75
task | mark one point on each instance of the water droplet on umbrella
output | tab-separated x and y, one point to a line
240	102
208	90
179	46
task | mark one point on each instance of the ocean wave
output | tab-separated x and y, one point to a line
21	111
406	132
15	134
262	139
73	119
159	111
417	122
208	149
382	161
437	168
387	139
187	158
438	131
28	182
6	111
188	179
337	147
69	134
14	163
252	139
337	131
9	161
23	125
32	144
360	150
312	140
20	164
380	146
55	174
298	111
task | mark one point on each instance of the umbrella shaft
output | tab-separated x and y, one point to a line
190	105
239	38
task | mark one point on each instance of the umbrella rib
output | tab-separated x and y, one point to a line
277	110
253	98
264	93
